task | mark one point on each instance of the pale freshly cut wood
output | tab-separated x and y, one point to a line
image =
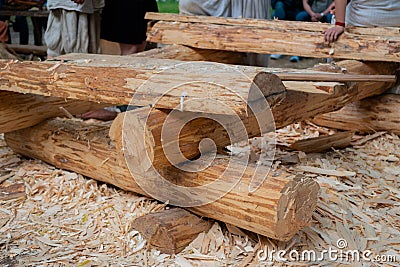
262	23
379	113
279	37
281	206
164	83
171	230
323	143
152	139
77	146
185	53
19	111
298	105
115	79
326	171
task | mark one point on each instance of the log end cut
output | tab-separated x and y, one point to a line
170	231
295	207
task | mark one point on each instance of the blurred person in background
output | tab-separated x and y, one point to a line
123	22
256	9
364	13
73	26
285	10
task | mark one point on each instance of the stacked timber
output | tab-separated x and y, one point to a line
115	80
379	113
274	37
130	148
304	39
278	209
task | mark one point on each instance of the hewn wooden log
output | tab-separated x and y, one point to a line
297	106
170	231
82	147
115	80
148	125
185	53
19	111
279	208
327	77
262	23
378	113
272	37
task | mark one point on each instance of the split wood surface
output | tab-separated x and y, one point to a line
170	231
278	209
163	83
274	37
378	113
114	80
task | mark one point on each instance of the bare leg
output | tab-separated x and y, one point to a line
128	49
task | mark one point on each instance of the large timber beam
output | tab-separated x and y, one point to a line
379	113
115	80
160	82
281	206
274	37
298	105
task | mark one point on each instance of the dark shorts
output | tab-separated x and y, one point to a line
123	20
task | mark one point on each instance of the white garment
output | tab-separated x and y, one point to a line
72	32
372	13
215	8
88	6
256	9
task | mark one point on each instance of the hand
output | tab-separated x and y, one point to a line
331	34
331	8
315	17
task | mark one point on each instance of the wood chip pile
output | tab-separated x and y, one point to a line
65	219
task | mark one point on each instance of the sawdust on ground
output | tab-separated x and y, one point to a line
66	219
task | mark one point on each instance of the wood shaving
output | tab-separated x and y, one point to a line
67	219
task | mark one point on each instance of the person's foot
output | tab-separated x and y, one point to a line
294	59
275	56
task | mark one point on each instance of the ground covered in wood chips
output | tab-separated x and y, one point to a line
65	219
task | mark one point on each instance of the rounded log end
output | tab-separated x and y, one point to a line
295	207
